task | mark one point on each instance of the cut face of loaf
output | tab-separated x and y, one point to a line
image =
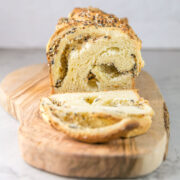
99	116
93	51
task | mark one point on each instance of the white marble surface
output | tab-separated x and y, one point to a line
164	66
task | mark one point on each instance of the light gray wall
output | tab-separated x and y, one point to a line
29	23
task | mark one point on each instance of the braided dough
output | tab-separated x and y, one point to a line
93	51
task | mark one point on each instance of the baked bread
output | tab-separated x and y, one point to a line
98	116
93	51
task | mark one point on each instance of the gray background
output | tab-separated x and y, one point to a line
29	23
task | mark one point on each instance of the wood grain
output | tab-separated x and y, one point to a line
45	148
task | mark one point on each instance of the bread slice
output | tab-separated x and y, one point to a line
98	116
93	51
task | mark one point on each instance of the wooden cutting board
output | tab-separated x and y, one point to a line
45	148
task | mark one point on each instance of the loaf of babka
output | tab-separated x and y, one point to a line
93	51
98	116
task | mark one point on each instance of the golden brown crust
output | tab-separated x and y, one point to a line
131	128
91	17
95	17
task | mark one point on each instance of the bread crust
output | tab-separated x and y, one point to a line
129	128
91	17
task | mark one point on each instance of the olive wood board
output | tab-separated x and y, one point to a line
45	148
